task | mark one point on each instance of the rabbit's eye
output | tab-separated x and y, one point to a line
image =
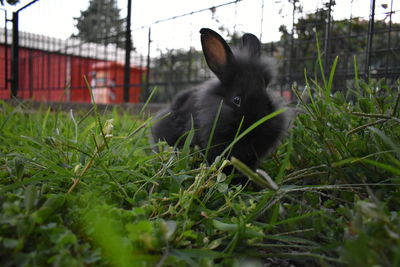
237	100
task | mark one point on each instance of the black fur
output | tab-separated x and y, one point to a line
243	74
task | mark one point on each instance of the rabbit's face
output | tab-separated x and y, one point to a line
246	95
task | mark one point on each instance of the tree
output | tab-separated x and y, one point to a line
101	23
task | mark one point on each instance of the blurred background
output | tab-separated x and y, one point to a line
53	51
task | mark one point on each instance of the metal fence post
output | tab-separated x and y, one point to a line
128	49
15	50
370	38
15	56
6	80
147	85
327	40
389	41
291	56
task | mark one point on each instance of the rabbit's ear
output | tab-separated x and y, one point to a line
217	52
252	45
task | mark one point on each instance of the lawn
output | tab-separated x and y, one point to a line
85	189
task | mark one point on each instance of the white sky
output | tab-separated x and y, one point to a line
55	18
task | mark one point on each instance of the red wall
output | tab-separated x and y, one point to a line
46	76
4	90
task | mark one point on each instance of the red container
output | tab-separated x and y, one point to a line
107	79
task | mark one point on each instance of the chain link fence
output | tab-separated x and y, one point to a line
166	54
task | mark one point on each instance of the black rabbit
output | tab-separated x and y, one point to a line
242	78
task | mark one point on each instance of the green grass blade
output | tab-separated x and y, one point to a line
213	128
384	166
148	100
44	122
328	89
286	161
184	158
252	127
356	78
96	112
320	64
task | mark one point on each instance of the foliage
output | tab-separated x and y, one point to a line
101	23
347	38
85	189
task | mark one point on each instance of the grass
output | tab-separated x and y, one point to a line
80	189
